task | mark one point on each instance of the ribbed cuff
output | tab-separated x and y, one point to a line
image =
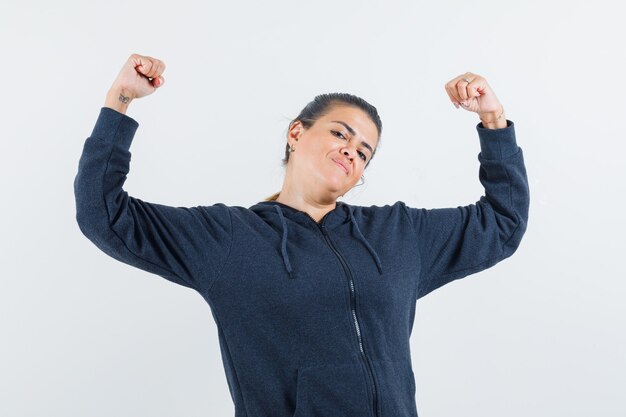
497	143
115	127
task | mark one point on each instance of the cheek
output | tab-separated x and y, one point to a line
313	160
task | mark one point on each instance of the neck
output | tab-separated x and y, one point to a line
315	207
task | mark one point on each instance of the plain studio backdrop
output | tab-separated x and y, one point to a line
543	333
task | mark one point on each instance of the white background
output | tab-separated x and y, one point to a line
539	334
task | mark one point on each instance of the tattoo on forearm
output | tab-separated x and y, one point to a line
124	99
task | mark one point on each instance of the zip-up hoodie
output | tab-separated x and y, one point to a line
314	318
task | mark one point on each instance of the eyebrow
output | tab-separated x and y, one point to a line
352	132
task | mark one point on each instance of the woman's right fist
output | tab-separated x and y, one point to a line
140	76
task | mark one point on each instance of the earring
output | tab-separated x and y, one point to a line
292	149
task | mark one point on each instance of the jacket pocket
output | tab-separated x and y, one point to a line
337	390
396	387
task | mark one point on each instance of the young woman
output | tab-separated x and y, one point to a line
313	298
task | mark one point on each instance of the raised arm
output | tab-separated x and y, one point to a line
456	242
186	245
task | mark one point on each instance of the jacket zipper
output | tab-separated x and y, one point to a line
353	309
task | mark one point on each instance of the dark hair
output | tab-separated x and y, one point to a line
321	105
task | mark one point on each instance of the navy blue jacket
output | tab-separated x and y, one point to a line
314	319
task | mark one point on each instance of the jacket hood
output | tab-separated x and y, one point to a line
340	214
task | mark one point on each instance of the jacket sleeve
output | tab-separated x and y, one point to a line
186	245
456	242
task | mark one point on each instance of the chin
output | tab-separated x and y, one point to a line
334	181
334	187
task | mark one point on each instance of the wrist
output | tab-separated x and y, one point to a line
493	120
118	98
500	124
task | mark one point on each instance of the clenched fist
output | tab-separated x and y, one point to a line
140	76
473	93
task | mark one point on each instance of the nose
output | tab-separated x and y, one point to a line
349	152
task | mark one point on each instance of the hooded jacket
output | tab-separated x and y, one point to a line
313	318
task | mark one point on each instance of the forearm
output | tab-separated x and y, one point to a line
493	120
102	169
499	124
118	99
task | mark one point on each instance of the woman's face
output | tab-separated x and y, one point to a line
330	156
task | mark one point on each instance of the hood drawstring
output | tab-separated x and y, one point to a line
365	242
283	246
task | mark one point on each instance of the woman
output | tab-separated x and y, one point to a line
313	298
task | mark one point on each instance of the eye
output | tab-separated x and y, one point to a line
340	134
361	154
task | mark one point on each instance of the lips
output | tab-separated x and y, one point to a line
341	165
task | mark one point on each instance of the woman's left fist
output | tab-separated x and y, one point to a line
473	93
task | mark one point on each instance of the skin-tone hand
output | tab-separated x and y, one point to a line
140	76
478	97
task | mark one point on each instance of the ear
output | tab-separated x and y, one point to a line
294	132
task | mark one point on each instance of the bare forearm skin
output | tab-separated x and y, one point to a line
118	99
498	124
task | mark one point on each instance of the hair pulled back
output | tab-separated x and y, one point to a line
321	105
